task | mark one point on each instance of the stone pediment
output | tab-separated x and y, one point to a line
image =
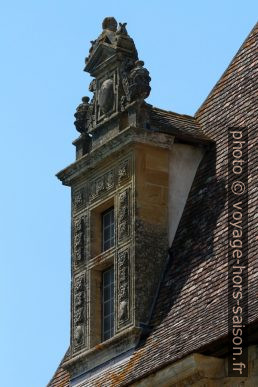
100	57
120	82
112	40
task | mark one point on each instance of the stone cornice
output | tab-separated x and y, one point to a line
188	371
126	137
118	344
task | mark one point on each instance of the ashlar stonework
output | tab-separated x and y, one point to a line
164	175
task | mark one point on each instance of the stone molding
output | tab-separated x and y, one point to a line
193	369
118	144
102	352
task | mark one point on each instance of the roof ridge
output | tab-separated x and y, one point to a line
225	71
169	111
58	368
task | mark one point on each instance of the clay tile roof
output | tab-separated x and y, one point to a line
190	311
182	126
61	377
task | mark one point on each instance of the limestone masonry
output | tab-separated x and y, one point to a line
151	308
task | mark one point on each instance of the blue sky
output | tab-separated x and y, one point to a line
186	46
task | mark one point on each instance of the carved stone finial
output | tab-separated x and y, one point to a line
85	99
81	115
119	78
109	23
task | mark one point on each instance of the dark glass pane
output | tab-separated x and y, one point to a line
106	335
106	277
106	234
108	303
107	293
106	219
106	324
107	308
108	229
106	245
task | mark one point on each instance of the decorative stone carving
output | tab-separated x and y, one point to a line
109	23
82	115
97	187
93	194
106	96
79	228
91	117
78	316
102	184
79	311
119	77
139	81
78	299
135	80
109	180
123	215
78	200
122	29
123	170
78	334
123	287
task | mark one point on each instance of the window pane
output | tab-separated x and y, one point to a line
107	308
107	325
106	278
108	229
112	276
106	219
106	234
108	303
106	246
106	293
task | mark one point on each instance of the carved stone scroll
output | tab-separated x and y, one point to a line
78	200
79	239
123	287
123	215
109	180
79	317
102	184
123	170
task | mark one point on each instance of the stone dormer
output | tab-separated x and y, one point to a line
134	168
